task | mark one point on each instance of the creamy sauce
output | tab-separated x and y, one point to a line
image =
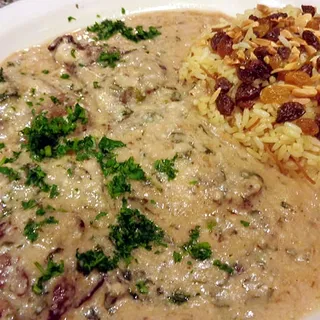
275	258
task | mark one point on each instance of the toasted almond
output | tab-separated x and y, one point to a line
315	78
215	96
294	43
299	40
219	27
287	34
305	92
263	8
302	20
303	101
311	51
288	67
262	42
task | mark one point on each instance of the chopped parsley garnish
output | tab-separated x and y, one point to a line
28	204
142	287
31	229
166	166
54	191
2	76
94	259
53	270
211	224
40	212
223	266
245	223
54	99
109	59
200	251
107	145
2	145
197	250
35	177
123	10
118	186
44	134
73	53
65	76
15	156
193	182
71	18
45	71
10	173
134	230
29	103
177	257
99	216
96	85
179	297
108	28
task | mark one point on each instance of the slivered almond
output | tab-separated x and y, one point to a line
305	92
302	20
263	8
287	34
262	42
315	79
288	67
303	101
310	50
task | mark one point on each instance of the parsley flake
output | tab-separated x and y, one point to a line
53	270
70	18
223	266
65	76
166	166
109	59
31	229
108	28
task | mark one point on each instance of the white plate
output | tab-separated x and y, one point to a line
30	22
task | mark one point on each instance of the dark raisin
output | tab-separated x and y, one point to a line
216	39
284	52
307	68
225	105
224	84
317	98
247	92
261	52
273	34
309	9
317	121
254	18
311	39
246	104
290	111
318	64
252	70
225	46
276	16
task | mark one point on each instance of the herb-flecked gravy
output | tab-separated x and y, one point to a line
163	218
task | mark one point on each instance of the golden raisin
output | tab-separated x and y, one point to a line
308	126
298	78
275	61
314	23
275	94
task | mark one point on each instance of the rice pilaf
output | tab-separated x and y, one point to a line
258	79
